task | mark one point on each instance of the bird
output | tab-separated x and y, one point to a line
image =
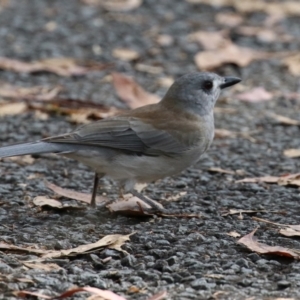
145	144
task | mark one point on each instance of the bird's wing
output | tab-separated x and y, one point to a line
123	133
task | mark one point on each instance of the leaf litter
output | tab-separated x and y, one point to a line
292	153
44	201
251	243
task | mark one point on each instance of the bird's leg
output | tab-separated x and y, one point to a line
95	187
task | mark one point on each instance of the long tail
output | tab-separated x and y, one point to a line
33	148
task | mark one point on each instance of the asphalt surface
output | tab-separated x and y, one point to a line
192	258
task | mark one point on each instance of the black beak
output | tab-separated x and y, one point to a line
229	81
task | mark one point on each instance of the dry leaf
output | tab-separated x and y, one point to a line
176	197
105	294
284	120
242	211
233	234
293	64
125	54
132	93
114	241
11	109
40	93
148	69
293	153
230	54
258	94
4	246
116	5
165	40
48	267
22	160
279	9
158	296
219	170
264	34
45	201
61	66
267	179
229	19
132	206
74	195
252	244
210	40
224	133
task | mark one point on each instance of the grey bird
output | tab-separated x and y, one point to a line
147	143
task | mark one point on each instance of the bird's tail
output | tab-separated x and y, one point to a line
33	148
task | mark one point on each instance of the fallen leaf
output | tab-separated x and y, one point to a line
43	201
11	109
148	69
293	64
233	234
279	9
158	296
220	170
132	206
62	66
230	54
242	211
293	153
210	40
132	93
74	195
22	160
40	93
165	81
252	244
284	120
258	94
48	267
164	40
264	34
292	179
116	5
105	294
4	246
113	241
267	179
125	54
224	133
229	19
176	197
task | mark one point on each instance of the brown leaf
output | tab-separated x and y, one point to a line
252	244
242	211
105	294
293	64
4	246
11	109
61	66
149	69
22	160
284	120
114	241
125	54
249	6
264	34
40	93
224	133
220	170
293	153
159	296
229	19
258	94
132	206
132	93
48	267
211	40
116	5
230	54
233	234
267	179
45	201
73	194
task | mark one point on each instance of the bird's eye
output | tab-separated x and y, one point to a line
207	85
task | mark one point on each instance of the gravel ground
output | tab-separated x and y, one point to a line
190	258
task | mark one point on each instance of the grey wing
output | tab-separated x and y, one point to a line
127	134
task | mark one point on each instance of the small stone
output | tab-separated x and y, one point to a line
283	284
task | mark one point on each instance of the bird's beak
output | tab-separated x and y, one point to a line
229	81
